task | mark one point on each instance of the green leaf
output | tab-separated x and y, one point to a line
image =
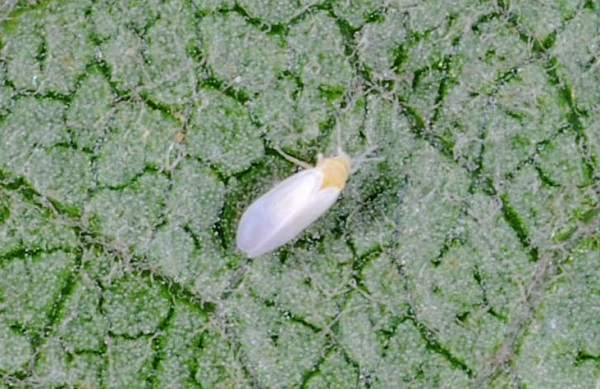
133	135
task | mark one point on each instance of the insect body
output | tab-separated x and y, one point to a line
292	205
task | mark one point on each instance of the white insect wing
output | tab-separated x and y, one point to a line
283	212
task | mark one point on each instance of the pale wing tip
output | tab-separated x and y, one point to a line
251	252
244	244
249	245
